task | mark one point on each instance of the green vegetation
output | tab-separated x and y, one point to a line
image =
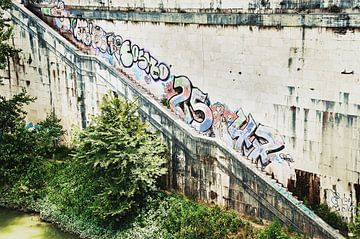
354	227
5	33
106	185
275	231
330	217
121	156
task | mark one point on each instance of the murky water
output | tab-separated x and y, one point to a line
18	225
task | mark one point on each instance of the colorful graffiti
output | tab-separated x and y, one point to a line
259	143
126	53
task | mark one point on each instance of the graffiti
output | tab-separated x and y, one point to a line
91	35
189	104
222	119
178	102
338	203
267	141
130	54
169	89
203	118
62	20
256	142
284	158
259	143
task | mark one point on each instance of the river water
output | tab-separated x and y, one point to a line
19	225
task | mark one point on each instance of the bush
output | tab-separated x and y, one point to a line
173	216
24	165
16	143
49	133
187	219
331	217
274	231
116	163
355	226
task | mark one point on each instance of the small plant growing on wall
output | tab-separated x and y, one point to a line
165	102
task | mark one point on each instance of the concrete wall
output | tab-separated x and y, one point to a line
201	5
59	84
201	166
296	87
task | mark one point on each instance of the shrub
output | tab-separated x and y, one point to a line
120	157
186	219
355	226
16	143
273	231
331	217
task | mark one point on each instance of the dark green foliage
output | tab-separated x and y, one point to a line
16	143
12	113
122	158
186	219
72	189
24	165
49	133
330	217
165	102
5	33
355	226
274	231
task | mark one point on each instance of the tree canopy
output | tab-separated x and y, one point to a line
6	50
126	159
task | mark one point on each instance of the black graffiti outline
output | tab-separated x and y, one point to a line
345	205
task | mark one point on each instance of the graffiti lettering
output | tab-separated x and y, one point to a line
113	43
82	31
258	143
181	84
99	39
338	203
241	131
92	35
62	21
266	141
204	121
133	54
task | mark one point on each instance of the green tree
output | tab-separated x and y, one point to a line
16	143
24	151
355	226
273	231
5	33
12	113
49	133
126	159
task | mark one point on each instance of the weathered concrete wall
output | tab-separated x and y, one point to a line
60	84
201	166
302	81
201	5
